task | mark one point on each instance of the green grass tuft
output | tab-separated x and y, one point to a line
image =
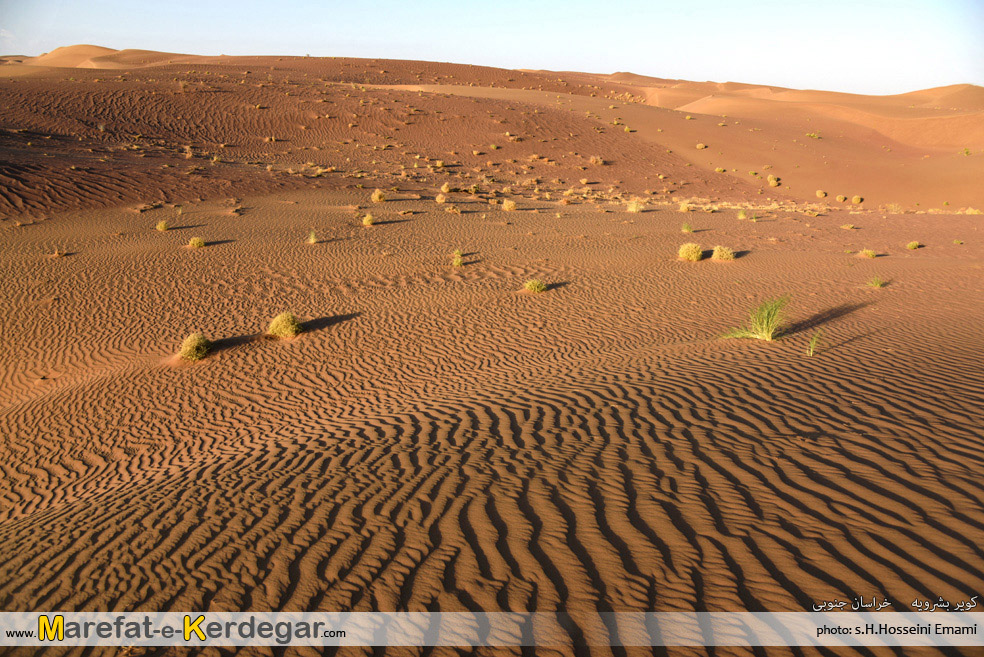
196	242
913	245
766	322
535	286
876	282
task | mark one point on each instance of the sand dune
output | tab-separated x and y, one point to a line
435	439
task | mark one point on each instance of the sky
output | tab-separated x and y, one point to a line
861	46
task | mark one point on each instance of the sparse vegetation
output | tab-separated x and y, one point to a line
821	194
195	347
958	242
813	135
722	253
701	147
161	226
312	237
635	206
766	322
440	199
597	160
719	170
378	196
857	200
690	252
814	344
913	245
509	205
535	286
848	226
196	242
456	259
686	228
742	215
876	282
841	198
284	325
867	253
686	207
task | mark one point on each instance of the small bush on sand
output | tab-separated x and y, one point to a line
378	196
196	242
867	253
312	237
719	170
690	252
457	260
284	325
597	160
446	188
509	205
535	286
161	226
686	207
848	226
958	242
821	194
876	281
841	198
722	253
912	246
764	323
686	228
635	206
368	220
440	199
701	147
857	200
195	347
742	215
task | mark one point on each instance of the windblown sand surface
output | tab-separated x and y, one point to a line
436	439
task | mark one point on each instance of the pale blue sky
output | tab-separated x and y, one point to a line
867	46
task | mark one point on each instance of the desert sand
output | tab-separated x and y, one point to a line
436	438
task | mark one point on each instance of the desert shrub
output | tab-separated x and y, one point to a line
457	260
378	196
813	135
535	286
722	253
719	170
635	206
848	226
196	242
509	205
701	147
161	226
440	198
876	281
913	245
596	160
284	325
766	322
856	200
841	198
368	220
867	253
686	228
195	347
691	252
686	207
894	208
821	194
312	237
958	242
446	188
